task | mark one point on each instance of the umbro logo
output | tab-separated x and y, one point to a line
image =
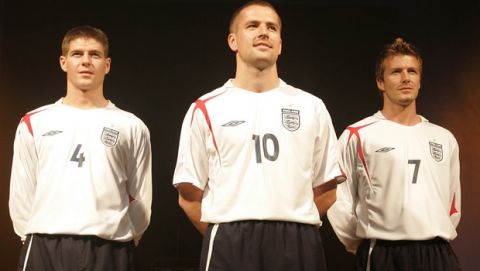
52	133
385	149
233	123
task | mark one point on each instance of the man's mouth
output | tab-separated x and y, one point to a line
262	44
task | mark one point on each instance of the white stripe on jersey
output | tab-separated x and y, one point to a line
213	234
257	155
27	255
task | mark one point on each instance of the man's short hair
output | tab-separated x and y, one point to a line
84	31
248	4
398	47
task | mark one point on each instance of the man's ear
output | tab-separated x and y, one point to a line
63	63
232	42
108	63
380	84
280	52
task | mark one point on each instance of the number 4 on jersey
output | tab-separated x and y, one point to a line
77	156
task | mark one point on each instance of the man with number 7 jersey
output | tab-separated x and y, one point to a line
400	204
257	162
80	190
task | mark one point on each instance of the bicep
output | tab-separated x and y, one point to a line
189	192
325	188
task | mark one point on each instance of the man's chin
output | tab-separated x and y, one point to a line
85	88
263	64
406	101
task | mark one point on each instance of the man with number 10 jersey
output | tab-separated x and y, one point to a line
258	155
257	162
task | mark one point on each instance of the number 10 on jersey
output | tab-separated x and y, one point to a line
268	153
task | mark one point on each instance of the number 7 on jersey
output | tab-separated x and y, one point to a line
415	162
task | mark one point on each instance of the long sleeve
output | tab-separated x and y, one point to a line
23	179
342	215
140	183
455	192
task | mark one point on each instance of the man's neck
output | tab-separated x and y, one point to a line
406	115
85	99
255	80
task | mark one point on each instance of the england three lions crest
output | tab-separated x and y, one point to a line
291	119
109	137
436	151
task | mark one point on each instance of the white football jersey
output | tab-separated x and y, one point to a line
402	182
257	155
82	172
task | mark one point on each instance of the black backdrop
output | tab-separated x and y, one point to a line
166	54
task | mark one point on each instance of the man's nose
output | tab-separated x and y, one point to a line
263	31
86	59
406	76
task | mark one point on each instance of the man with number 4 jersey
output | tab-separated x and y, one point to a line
257	163
80	190
400	205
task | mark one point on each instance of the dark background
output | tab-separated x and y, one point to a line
165	54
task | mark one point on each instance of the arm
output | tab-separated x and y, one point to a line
191	171
139	184
327	172
22	180
455	192
325	195
342	214
190	200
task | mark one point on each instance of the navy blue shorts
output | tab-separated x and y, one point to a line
427	255
262	246
75	252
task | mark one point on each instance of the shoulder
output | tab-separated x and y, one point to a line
43	108
294	91
215	93
439	130
125	117
430	125
305	97
365	122
361	127
39	114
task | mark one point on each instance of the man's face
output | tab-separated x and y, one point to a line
85	64
256	37
401	80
